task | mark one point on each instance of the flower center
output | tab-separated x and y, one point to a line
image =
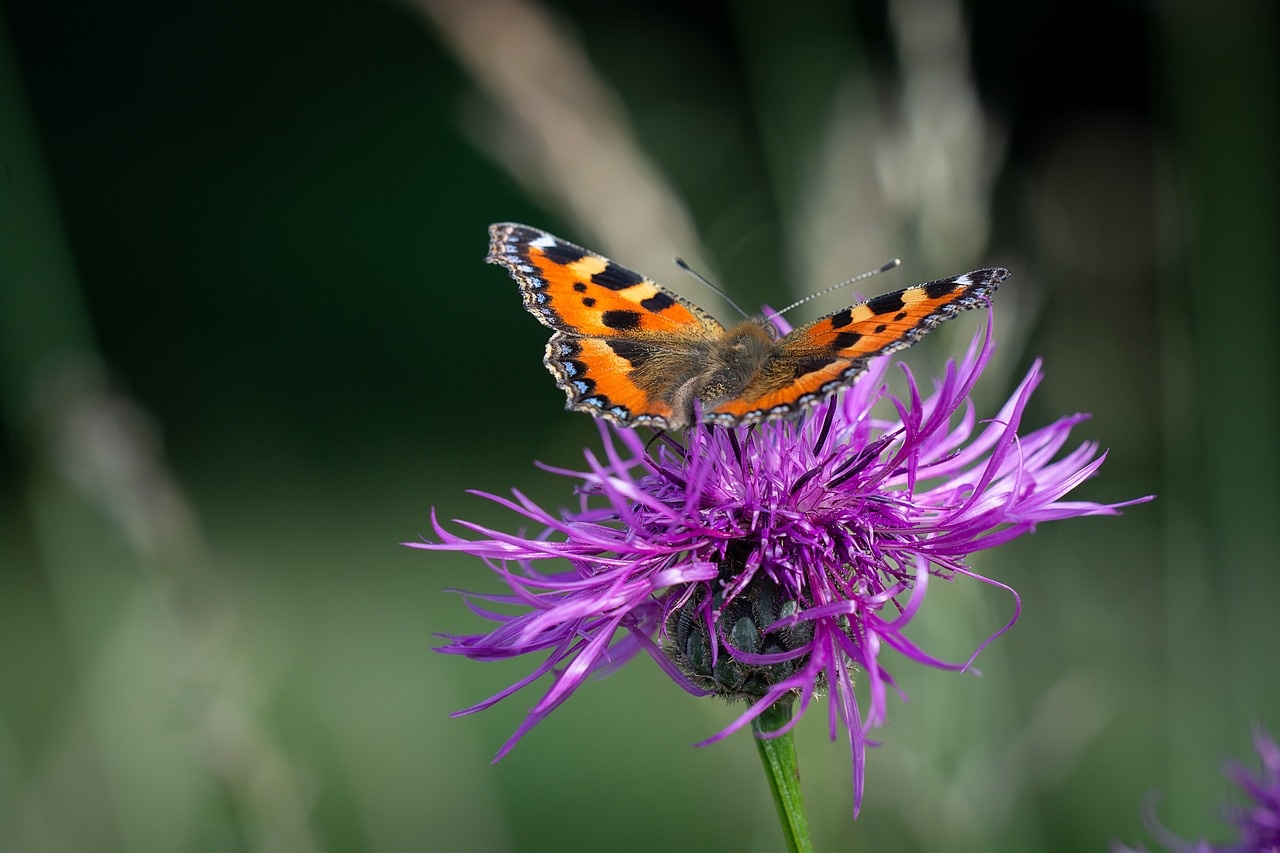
740	626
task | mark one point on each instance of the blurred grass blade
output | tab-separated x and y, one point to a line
155	733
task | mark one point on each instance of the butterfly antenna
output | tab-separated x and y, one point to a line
702	278
883	268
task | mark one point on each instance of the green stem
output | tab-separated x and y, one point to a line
778	755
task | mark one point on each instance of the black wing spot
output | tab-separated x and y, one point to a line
890	303
805	366
621	320
635	353
939	289
842	318
589	301
658	302
563	254
879	329
844	340
615	277
580	287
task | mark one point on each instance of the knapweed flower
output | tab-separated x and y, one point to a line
774	562
1257	825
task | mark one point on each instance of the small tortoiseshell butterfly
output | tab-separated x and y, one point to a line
628	350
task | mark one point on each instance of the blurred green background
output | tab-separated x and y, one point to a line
248	342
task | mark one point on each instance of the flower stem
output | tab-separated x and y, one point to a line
778	755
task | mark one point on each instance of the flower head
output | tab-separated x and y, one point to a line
772	563
1257	825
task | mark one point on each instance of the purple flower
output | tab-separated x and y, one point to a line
774	562
1257	825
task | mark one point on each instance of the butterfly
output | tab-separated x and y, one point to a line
630	351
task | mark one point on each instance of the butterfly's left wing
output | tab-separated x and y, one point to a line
813	362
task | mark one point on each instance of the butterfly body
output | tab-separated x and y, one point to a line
626	349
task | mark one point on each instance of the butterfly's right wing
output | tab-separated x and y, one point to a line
620	337
580	293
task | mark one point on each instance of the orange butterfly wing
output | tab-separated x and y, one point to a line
608	320
813	362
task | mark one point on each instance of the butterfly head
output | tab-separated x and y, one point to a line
723	369
772	324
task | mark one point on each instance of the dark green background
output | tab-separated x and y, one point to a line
269	225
